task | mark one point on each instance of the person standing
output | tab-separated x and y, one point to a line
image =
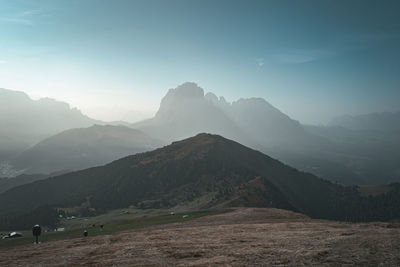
37	231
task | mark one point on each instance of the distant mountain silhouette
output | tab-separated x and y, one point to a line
203	171
25	122
263	122
81	148
368	144
387	122
186	111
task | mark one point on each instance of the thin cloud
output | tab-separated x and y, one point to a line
294	58
24	18
301	56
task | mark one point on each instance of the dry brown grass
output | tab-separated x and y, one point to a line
247	236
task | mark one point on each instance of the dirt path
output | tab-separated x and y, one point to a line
244	237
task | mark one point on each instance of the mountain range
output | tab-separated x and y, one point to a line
350	150
205	171
187	110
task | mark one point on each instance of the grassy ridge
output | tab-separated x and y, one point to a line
111	227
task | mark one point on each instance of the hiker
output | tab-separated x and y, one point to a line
37	231
85	233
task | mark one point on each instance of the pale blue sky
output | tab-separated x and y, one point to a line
311	59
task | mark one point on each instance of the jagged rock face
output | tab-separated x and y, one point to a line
185	100
212	98
186	111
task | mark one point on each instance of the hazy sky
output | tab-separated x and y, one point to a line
311	59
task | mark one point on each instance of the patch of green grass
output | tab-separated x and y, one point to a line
112	227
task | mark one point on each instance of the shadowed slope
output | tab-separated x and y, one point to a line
204	165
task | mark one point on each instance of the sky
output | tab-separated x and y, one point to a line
113	60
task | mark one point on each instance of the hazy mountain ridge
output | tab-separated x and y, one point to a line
388	122
333	152
82	148
369	144
25	121
186	111
337	153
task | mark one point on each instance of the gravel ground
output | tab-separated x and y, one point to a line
244	237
